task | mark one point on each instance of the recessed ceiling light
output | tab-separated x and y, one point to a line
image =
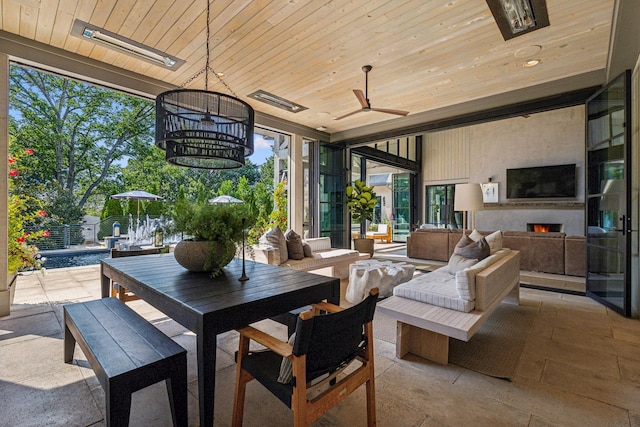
531	63
321	128
527	51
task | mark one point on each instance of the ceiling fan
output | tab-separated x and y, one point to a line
364	99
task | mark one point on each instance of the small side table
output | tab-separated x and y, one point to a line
385	275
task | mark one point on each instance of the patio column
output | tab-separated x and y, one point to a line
4	188
296	185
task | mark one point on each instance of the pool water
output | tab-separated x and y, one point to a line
74	259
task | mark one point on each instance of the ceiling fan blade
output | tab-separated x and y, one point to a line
363	100
347	115
385	110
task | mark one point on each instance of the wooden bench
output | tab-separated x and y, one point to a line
127	353
383	233
424	329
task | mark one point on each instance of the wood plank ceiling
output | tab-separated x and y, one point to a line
426	54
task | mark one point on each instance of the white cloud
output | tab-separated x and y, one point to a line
259	143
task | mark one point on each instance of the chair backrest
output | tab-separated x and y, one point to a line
382	228
332	340
115	253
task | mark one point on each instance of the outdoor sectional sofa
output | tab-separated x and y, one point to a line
554	253
452	301
323	258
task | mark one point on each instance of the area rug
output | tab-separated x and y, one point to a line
495	349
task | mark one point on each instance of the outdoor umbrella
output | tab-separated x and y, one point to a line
225	199
137	195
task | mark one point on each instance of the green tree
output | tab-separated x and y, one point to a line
263	203
80	134
226	188
112	207
266	172
155	207
280	213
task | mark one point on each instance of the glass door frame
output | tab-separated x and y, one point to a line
596	196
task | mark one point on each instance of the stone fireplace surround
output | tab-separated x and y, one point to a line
546	252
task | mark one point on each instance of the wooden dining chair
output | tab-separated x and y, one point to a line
116	290
309	374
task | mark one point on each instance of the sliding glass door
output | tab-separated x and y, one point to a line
608	196
332	204
401	207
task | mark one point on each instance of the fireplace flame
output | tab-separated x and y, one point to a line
541	228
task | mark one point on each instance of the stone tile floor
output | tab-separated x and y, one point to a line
580	367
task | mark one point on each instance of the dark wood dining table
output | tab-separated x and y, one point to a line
209	306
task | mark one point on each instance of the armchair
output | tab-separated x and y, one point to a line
323	346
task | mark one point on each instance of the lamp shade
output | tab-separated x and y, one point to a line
203	129
468	197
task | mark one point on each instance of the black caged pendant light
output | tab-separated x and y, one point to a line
202	129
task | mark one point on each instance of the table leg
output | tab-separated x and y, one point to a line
206	344
335	297
105	283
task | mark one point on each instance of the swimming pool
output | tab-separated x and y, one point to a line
74	259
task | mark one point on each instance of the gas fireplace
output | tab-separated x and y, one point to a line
544	228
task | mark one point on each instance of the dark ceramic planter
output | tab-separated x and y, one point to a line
364	246
202	255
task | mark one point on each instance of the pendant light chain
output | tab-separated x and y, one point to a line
207	67
204	129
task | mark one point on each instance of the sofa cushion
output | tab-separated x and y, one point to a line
294	245
458	262
274	237
472	249
319	243
494	239
466	279
306	249
436	288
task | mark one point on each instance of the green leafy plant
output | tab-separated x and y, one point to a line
219	223
24	210
361	201
279	215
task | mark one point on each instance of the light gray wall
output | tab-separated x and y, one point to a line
549	138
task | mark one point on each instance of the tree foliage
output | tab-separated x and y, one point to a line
112	207
81	135
89	143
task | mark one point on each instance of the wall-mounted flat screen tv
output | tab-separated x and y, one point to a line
542	182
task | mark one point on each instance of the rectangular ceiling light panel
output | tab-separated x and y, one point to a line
122	44
277	101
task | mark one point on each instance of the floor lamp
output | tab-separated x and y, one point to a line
468	197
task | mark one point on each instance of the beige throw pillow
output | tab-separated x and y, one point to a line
275	238
459	263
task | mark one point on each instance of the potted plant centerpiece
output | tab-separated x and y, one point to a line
215	232
361	200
